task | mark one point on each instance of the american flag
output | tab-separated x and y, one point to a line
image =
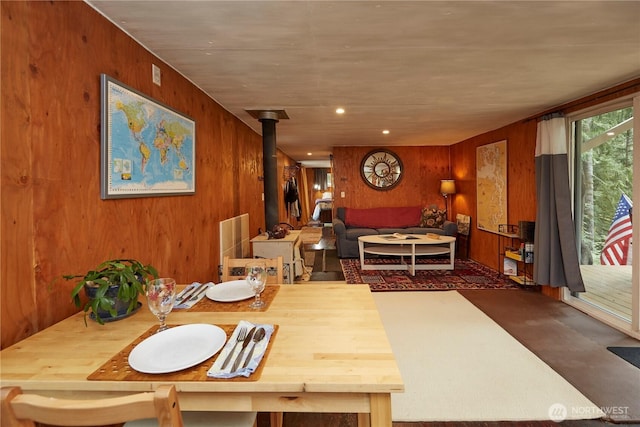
616	247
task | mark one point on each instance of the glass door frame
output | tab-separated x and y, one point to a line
631	328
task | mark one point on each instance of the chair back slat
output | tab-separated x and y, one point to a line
233	269
24	410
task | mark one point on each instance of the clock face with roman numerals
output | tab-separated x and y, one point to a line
381	169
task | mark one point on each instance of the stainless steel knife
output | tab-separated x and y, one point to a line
245	343
200	292
257	337
194	291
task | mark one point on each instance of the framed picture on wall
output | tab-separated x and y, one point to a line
147	148
491	179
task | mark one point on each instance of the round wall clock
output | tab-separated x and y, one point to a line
381	169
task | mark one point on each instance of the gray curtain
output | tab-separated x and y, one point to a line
320	178
556	257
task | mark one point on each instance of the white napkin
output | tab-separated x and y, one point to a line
190	302
256	358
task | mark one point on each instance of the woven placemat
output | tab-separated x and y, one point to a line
205	304
117	367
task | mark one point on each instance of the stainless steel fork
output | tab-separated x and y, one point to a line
242	334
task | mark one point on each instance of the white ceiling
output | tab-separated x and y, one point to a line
432	72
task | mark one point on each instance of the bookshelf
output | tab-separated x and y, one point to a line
517	263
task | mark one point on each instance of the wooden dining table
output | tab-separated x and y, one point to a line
330	353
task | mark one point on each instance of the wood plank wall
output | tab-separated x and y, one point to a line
521	189
53	220
521	197
284	161
424	167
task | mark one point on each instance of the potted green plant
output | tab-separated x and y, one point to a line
112	289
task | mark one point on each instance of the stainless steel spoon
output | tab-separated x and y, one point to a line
257	337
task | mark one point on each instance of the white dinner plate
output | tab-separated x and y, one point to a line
177	348
234	290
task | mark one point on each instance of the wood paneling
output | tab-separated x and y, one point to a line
18	310
521	193
53	220
285	216
424	167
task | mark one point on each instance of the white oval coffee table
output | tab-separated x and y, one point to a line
412	245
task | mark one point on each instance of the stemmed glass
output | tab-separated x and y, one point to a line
256	277
161	293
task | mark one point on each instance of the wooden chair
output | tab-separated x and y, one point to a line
24	410
159	408
233	269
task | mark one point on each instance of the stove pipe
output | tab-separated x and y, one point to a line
270	166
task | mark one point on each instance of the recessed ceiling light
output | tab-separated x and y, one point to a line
386	131
340	110
309	154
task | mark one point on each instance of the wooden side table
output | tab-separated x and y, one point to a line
264	247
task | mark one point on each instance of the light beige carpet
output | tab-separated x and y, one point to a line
459	365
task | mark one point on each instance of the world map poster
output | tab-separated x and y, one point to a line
148	149
491	178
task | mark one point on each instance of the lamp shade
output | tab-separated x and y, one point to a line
447	186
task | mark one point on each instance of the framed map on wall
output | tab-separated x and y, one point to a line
491	181
147	148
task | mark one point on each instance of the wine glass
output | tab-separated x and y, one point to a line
256	277
161	293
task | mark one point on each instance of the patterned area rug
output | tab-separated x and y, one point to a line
467	274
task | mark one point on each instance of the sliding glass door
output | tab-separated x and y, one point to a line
603	148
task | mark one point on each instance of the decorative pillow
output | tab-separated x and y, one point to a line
433	217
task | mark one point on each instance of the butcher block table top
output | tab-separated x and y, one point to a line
330	354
